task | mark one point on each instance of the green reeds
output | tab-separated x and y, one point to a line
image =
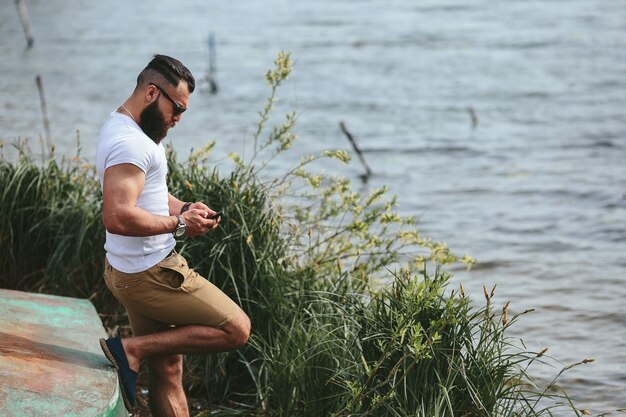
50	229
335	333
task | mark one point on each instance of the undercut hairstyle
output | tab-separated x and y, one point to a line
168	69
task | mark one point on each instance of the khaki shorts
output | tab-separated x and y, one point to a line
169	294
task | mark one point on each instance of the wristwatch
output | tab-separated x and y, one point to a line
181	227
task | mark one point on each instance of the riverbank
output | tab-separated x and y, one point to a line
304	256
534	189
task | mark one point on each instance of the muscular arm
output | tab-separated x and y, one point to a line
121	188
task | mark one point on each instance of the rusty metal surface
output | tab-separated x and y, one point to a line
50	360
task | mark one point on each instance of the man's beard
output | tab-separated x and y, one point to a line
153	123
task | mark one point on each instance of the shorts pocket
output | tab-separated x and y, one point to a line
193	282
175	272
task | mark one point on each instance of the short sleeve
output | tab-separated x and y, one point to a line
128	149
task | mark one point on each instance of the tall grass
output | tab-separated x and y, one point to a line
50	229
335	333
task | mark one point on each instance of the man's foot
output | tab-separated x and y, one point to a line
114	351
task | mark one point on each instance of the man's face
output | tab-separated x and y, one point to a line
161	115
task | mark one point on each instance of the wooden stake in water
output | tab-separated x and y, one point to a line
473	116
358	151
23	11
44	112
212	64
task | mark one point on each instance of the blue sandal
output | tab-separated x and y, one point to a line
114	351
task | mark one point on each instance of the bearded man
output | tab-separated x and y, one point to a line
171	308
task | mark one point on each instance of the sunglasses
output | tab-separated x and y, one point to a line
178	109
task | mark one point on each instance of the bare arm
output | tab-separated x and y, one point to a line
174	204
122	186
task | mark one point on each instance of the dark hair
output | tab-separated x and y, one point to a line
171	69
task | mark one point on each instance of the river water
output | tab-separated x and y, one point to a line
534	187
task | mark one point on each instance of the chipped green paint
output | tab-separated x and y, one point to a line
50	360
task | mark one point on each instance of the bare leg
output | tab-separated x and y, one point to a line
188	339
166	396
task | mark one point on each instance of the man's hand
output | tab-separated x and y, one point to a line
197	219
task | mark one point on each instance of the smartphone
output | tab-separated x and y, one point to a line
216	215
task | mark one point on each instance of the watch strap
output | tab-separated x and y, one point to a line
181	227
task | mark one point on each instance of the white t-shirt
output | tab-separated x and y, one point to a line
122	141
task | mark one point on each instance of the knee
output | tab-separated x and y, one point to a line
238	330
166	369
